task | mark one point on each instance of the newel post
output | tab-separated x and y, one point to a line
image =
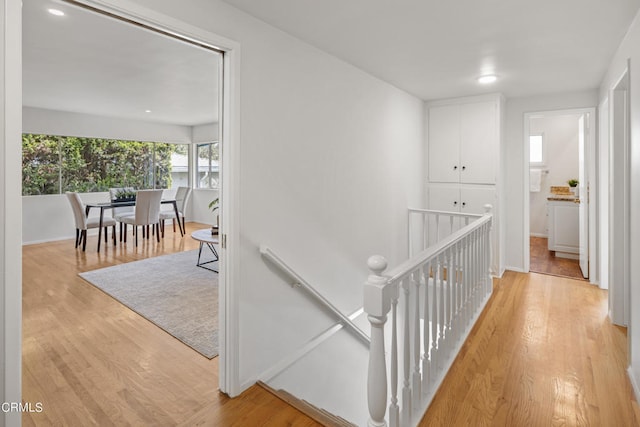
377	303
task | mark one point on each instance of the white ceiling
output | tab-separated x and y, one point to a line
88	63
437	48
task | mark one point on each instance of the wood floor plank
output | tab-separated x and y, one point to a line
91	361
543	353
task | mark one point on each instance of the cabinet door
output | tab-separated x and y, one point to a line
444	143
443	198
472	200
479	150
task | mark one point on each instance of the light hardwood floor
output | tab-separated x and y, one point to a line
91	361
544	353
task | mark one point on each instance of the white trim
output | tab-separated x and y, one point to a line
230	176
634	383
11	207
619	194
539	235
516	269
286	362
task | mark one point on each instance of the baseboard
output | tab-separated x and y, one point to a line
634	383
319	415
516	269
539	235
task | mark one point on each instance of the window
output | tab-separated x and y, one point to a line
536	150
55	164
207	165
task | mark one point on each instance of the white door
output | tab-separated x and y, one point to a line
478	142
583	193
444	143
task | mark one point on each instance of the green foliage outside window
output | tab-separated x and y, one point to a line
55	164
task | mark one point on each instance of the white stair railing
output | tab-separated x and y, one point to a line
427	227
298	281
436	296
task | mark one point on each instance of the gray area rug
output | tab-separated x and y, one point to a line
169	291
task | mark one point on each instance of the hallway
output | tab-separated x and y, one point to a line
543	353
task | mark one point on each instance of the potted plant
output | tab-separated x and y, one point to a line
125	196
573	183
214	205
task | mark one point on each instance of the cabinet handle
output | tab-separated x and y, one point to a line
455	168
464	167
464	204
455	203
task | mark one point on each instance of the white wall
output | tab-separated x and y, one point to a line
561	146
514	154
330	160
629	49
42	121
205	133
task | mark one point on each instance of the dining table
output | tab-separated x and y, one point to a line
120	204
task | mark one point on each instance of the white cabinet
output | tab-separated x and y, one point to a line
463	199
564	233
463	142
464	146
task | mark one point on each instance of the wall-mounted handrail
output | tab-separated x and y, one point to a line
299	281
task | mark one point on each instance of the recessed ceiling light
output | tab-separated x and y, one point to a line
147	111
489	78
56	12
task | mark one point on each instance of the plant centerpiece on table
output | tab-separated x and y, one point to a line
214	205
125	196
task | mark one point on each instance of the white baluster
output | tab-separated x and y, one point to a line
416	391
426	375
377	303
441	354
425	231
437	228
474	272
454	286
450	283
467	278
434	318
394	409
405	414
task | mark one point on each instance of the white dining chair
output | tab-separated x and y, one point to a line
182	199
146	213
83	223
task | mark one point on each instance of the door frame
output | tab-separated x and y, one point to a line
11	202
590	149
619	274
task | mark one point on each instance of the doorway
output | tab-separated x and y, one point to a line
226	131
560	220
